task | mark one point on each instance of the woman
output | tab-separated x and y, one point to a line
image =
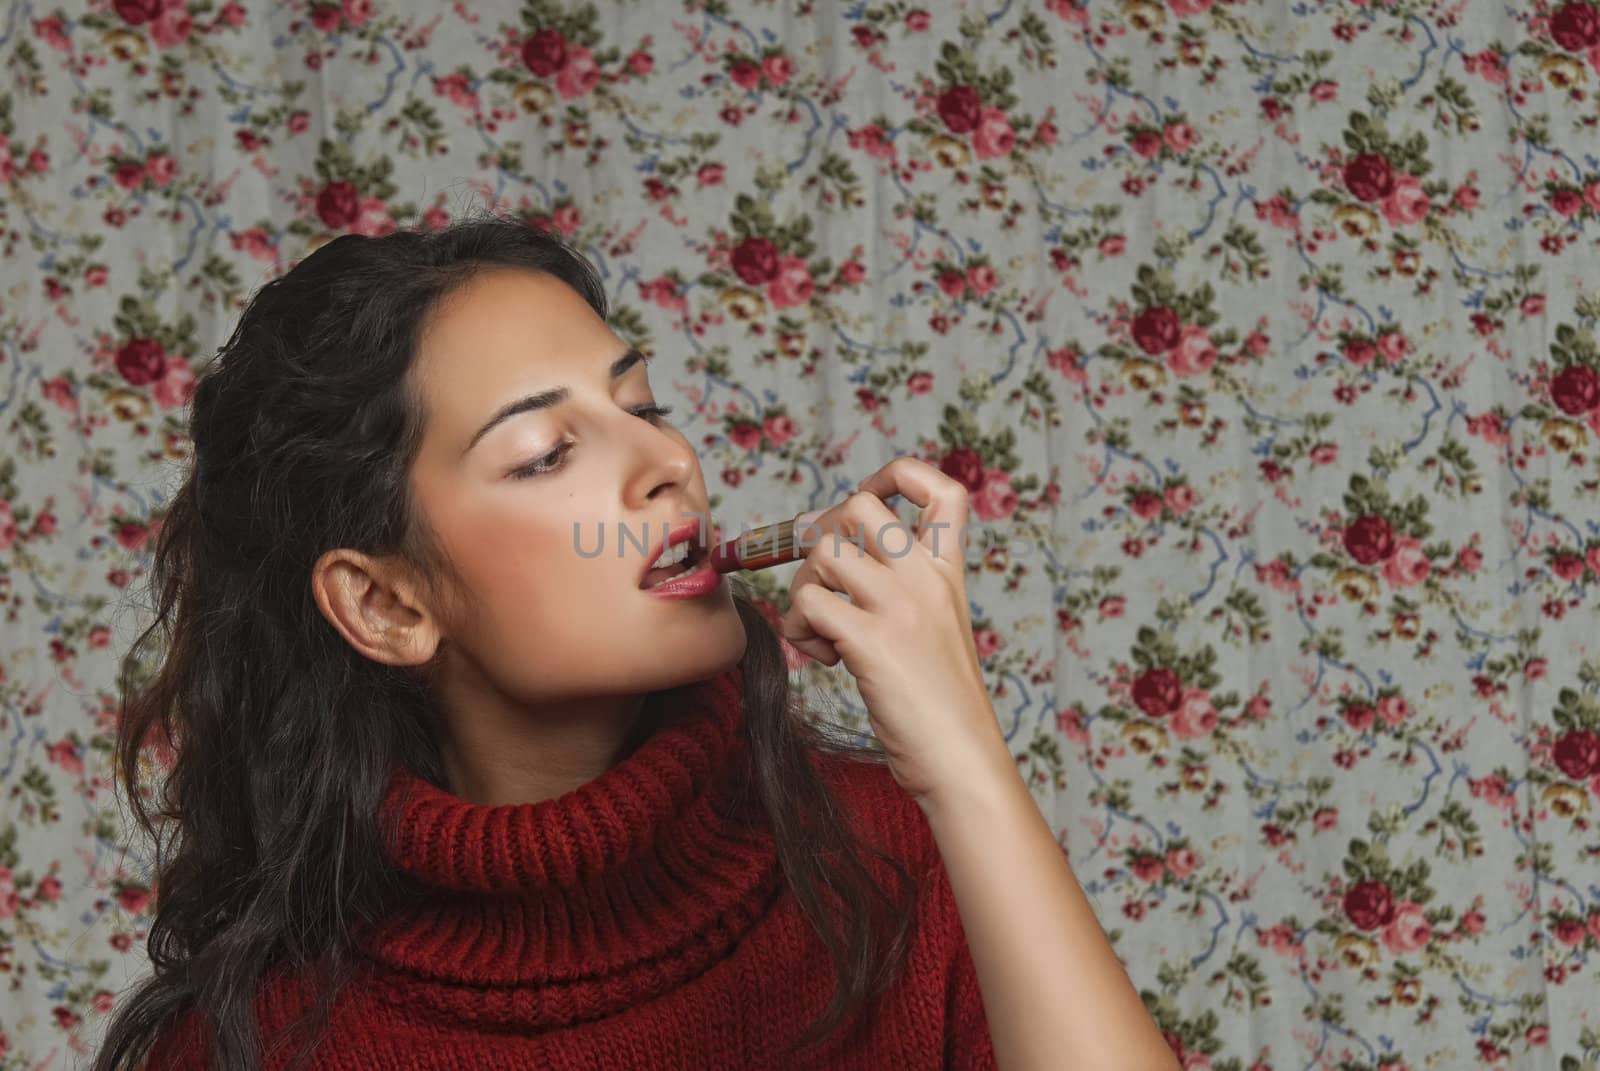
453	785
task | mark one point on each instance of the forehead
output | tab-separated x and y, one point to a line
506	330
510	314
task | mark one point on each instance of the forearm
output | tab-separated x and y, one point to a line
1053	990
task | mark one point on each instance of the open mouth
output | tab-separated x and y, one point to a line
675	561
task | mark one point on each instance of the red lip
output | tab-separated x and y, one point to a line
685	532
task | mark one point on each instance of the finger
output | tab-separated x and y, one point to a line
864	520
796	629
818	650
831	618
843	565
942	500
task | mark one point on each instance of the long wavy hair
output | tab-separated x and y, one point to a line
268	851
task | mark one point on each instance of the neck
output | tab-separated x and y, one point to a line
497	753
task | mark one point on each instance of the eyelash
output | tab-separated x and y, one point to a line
552	461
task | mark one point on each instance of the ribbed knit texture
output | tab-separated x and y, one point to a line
634	922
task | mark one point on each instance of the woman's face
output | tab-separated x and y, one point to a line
545	618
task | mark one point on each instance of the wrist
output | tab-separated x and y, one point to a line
987	780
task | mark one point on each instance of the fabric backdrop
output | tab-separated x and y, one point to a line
1262	334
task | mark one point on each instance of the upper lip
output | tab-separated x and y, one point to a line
688	531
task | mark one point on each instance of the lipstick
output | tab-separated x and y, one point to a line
764	547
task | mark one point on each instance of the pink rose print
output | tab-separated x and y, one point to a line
995	499
1408	930
1194	353
1393	710
982	278
792	285
994	136
1407	565
777	68
1393	346
174	389
1406	202
1195	716
779	429
172	26
579	76
161	168
1179	136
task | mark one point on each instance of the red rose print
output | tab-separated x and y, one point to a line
1369	177
338	205
1577	754
1157	692
1575	389
1369	539
137	12
964	466
755	260
141	361
545	52
1369	904
129	174
1146	143
960	108
1157	329
1359	716
132	898
1575	26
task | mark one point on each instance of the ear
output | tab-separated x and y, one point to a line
375	607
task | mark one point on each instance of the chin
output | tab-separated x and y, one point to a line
716	647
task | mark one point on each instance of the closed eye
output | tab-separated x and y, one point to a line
554	459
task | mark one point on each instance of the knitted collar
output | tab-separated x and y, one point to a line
609	895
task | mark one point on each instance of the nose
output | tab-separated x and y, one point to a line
660	463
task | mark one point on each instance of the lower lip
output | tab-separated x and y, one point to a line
701	580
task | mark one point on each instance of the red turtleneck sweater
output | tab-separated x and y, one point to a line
628	924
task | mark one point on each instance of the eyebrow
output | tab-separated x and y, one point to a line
553	397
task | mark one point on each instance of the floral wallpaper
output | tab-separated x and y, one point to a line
1262	333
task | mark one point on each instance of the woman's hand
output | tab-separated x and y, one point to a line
905	635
